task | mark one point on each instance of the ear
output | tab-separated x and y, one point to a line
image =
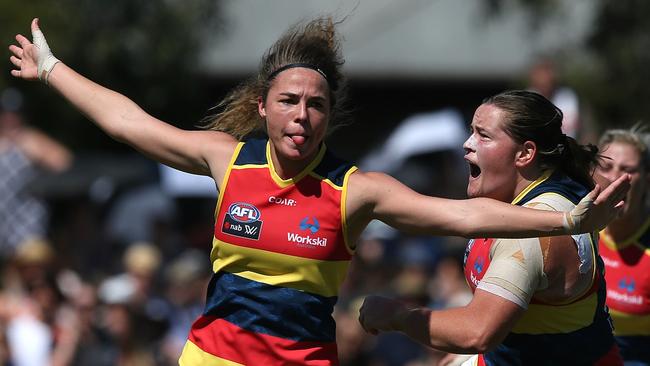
526	154
260	107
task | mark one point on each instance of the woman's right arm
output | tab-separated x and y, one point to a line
198	152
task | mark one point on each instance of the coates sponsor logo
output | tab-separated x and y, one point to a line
243	220
308	241
283	201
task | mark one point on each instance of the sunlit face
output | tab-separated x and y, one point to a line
296	110
625	158
491	154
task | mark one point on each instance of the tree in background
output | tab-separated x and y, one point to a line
148	50
618	86
612	76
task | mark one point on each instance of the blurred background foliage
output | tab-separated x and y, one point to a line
147	50
618	87
611	73
150	51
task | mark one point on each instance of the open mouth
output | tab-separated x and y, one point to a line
474	170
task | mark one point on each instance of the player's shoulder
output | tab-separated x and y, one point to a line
551	201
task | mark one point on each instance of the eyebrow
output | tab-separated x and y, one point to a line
293	95
479	128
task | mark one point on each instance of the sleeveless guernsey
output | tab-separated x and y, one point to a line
627	273
279	256
575	333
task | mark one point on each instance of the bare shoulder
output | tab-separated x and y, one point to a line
374	182
217	149
363	190
360	184
218	142
378	194
365	187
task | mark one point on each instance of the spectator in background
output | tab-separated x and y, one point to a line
24	151
543	79
625	244
186	279
41	326
274	281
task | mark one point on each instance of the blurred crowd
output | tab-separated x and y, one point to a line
119	280
116	275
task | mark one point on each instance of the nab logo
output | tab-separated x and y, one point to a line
627	284
313	226
243	220
244	212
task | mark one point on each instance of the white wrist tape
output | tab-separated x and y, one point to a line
46	60
573	220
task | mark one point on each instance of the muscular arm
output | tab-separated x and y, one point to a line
514	274
465	329
199	152
122	119
379	196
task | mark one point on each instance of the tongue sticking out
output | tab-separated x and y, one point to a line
298	140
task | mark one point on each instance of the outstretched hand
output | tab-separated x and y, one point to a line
598	208
32	60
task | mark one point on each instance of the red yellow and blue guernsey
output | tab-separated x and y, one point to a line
574	333
627	271
279	256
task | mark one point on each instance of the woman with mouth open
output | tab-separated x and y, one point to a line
289	213
539	300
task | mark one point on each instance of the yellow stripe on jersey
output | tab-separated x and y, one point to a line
325	180
310	275
224	182
192	355
629	324
287	182
251	166
544	319
344	215
531	186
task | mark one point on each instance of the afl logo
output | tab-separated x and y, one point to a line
244	212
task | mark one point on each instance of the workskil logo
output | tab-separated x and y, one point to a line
243	220
478	264
308	241
627	283
312	226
